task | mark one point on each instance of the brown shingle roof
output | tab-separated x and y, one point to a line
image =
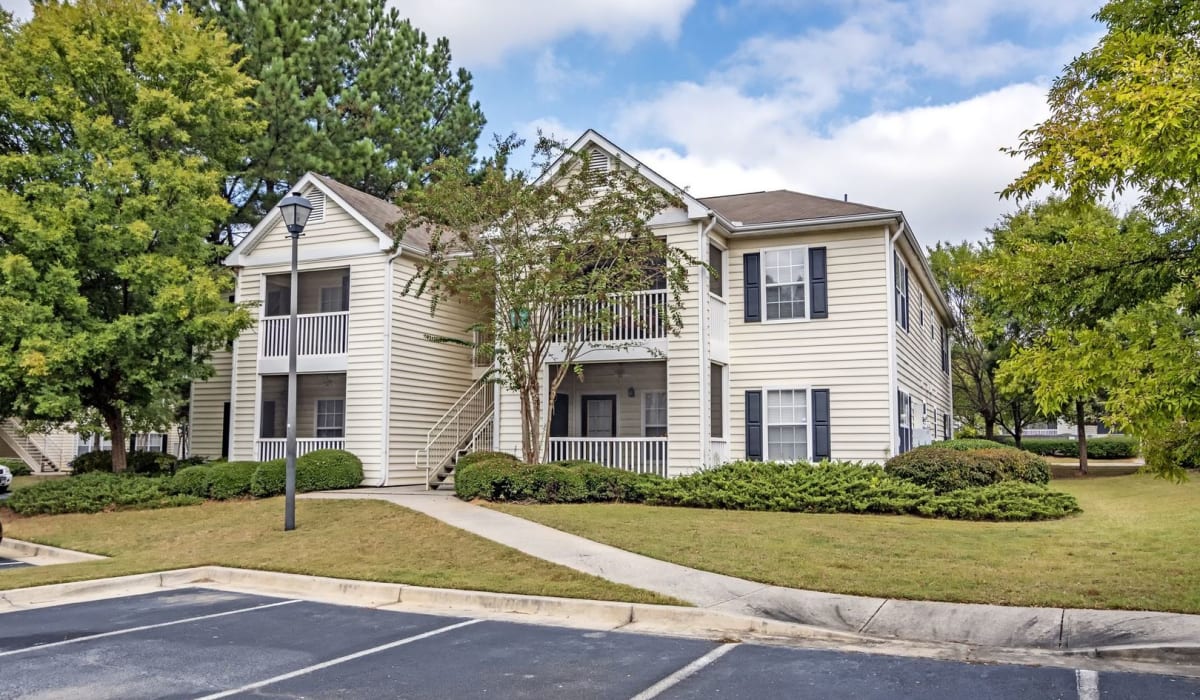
379	212
783	205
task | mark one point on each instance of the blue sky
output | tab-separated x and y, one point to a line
897	104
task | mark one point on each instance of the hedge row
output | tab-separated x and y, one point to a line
92	493
829	487
1111	447
136	462
102	491
321	470
16	466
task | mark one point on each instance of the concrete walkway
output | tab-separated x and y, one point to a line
986	625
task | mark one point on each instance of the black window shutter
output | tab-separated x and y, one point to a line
945	351
751	287
818	283
904	317
164	443
820	402
946	426
754	426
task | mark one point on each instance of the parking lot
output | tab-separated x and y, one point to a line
200	643
11	563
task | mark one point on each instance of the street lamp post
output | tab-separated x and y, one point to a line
295	210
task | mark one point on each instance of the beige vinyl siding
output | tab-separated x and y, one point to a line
846	353
338	227
687	414
919	357
208	407
603	379
426	377
365	345
245	384
508	415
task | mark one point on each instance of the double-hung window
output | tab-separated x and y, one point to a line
716	275
331	418
784	283
904	427
900	273
654	408
787	425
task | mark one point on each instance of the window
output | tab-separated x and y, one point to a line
900	273
920	308
654	409
716	401
87	442
904	408
279	302
331	418
716	276
787	425
784	285
945	351
331	299
150	442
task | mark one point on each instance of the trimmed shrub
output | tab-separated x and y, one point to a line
320	470
1110	447
191	481
964	444
829	487
136	462
483	456
95	492
269	478
229	479
1016	465
1113	447
1007	501
16	466
500	479
944	469
604	484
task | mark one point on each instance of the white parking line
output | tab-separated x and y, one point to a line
685	672
14	563
339	660
129	630
1088	684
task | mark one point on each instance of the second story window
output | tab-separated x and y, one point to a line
716	276
784	283
900	273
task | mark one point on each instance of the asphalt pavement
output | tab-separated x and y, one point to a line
202	643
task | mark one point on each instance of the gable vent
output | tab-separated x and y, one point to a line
599	161
316	198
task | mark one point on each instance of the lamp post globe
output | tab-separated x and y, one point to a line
295	210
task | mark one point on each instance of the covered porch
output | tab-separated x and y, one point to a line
320	414
615	415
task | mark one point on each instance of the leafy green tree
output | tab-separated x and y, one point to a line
118	124
983	338
1123	117
1055	269
348	88
556	252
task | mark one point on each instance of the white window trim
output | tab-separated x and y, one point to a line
766	424
724	271
899	291
317	417
762	284
645	396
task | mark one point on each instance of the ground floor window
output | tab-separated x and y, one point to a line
787	425
654	407
904	409
331	418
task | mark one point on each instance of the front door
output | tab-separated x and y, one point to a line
560	422
599	416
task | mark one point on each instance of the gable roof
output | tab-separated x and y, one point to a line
375	214
783	205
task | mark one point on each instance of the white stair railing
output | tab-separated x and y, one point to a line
26	448
463	424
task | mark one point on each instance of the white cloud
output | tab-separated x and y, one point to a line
21	9
941	165
552	73
484	32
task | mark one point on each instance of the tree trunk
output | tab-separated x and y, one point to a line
989	428
1017	430
1081	434
116	429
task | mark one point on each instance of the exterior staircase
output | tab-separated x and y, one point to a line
465	428
25	447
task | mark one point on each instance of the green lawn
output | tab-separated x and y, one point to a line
1135	546
368	540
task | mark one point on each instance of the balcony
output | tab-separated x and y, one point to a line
626	326
320	414
322	322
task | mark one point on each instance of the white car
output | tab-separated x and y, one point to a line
5	478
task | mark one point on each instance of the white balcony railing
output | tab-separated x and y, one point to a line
276	448
317	334
641	455
624	318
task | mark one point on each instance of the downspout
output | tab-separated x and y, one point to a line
384	445
889	239
702	335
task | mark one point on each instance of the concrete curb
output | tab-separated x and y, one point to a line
20	549
590	614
